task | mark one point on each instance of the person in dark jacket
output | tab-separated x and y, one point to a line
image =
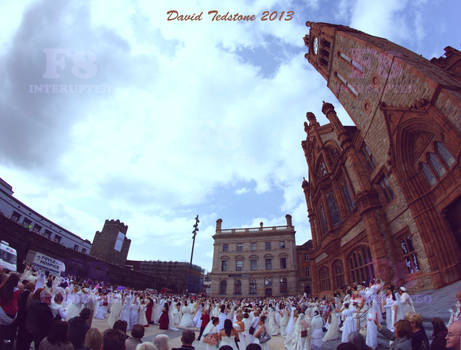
187	339
39	318
419	339
439	334
24	337
78	326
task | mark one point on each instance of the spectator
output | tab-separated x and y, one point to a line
57	338
346	346
39	318
439	334
419	339
253	346
403	334
187	339
121	326
146	346
358	340
136	337
93	339
205	319
113	339
24	338
454	336
161	341
78	326
9	307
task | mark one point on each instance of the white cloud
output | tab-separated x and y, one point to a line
242	190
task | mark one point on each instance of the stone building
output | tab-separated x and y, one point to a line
254	262
111	244
384	196
304	254
174	275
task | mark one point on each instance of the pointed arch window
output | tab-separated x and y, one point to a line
321	170
333	208
444	154
361	266
323	221
348	196
437	164
427	172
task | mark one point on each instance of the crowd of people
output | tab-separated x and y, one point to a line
53	312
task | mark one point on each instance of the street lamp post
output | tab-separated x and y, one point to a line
194	233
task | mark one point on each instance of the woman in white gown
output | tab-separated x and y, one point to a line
115	310
298	339
333	329
349	322
174	314
187	316
142	320
211	328
372	328
101	307
75	303
391	307
126	310
272	326
284	321
316	330
260	330
291	322
134	313
198	314
158	306
227	335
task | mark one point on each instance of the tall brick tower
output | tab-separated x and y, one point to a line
111	244
407	111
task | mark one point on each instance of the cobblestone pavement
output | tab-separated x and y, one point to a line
432	303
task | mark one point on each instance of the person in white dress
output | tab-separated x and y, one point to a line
316	331
211	328
372	327
158	306
142	320
101	307
455	310
259	332
174	316
227	335
298	339
333	329
349	325
405	301
187	316
75	303
198	314
126	309
272	326
284	318
115	310
391	307
291	323
57	308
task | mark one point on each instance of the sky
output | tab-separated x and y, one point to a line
154	121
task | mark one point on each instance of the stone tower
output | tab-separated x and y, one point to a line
407	113
111	244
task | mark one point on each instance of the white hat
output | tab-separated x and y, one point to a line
403	289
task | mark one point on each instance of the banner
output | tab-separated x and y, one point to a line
119	242
43	262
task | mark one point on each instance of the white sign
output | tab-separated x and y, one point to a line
119	242
43	262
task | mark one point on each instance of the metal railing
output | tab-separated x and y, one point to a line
256	229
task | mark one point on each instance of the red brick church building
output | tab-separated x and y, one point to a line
384	196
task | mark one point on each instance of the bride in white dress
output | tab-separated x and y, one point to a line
187	316
227	335
333	329
142	320
115	310
75	303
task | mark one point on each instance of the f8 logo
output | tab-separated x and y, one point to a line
83	63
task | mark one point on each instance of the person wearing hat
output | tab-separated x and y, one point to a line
405	303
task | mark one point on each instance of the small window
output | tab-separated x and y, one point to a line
47	234
223	265
345	57
239	265
437	165
323	221
37	228
268	264
282	244
283	263
57	239
237	287
27	223
84	250
348	196
239	247
368	157
16	216
308	271
253	245
268	282
223	287
386	188
283	285
340	77
225	247
333	208
268	245
445	154
427	172
252	287
306	257
409	254
76	247
253	264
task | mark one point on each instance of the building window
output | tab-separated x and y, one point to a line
252	287
37	228
282	244
348	196
283	285
308	271
237	287
361	265
268	264
27	223
324	278
267	282
253	264
16	216
268	245
321	170
224	265
239	247
84	250
368	157
437	165
386	188
253	245
57	238
323	221
333	208
239	265
409	254
223	287
306	257
225	247
338	271
47	234
427	172
283	263
445	154
76	247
